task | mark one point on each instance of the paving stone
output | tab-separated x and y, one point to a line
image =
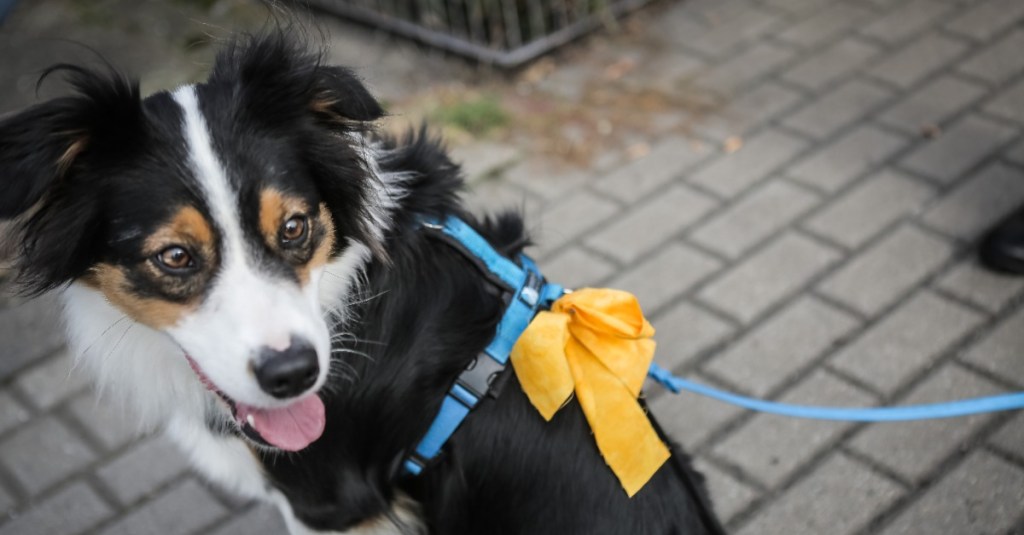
669	72
768	276
889	269
906	342
932	104
743	26
30	331
492	196
1000	351
907	20
981	286
545	179
43	453
481	160
564	220
666	161
576	268
7	504
759	156
837	108
105	422
684	331
743	70
1010	436
850	156
73	510
981	495
918	60
741	115
259	520
12	413
977	204
728	494
51	381
870	207
826	25
1016	153
631	235
142	469
690	419
831	64
797	7
753	218
984	20
1009	103
671	271
772	448
182	509
999	61
960	147
864	495
779	348
914	449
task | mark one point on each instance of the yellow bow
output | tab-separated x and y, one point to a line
597	343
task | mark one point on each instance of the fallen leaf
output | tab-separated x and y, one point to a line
732	144
637	151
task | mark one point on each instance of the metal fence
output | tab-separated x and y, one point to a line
506	33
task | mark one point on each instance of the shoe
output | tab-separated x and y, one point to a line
1003	249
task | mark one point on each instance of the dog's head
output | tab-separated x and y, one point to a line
207	213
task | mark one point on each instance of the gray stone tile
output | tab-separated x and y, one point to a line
981	495
566	219
914	449
75	509
106	422
491	196
906	20
667	160
831	64
759	156
1000	351
739	27
12	413
782	346
826	25
850	156
142	469
481	160
51	381
960	147
30	331
797	7
919	59
906	342
258	520
865	494
1016	153
977	204
984	20
739	116
728	494
576	268
684	331
7	504
43	453
999	61
838	108
754	218
868	208
182	509
671	271
1009	103
545	179
889	269
651	223
932	104
771	448
690	419
743	70
1010	437
768	276
981	286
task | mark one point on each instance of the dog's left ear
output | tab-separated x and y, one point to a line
340	97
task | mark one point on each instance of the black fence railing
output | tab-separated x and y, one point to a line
505	33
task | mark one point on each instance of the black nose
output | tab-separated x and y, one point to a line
288	373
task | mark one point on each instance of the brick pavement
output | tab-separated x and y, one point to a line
828	260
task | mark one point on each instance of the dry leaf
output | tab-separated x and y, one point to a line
732	144
637	151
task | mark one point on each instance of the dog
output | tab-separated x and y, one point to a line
240	262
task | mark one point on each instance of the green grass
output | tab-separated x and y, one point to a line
476	116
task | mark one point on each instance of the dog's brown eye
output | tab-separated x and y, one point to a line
293	231
175	259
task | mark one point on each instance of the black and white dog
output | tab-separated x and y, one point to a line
240	264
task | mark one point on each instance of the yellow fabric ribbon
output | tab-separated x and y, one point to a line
597	343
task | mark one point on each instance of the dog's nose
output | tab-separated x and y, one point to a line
288	373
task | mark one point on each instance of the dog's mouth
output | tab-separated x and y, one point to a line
289	428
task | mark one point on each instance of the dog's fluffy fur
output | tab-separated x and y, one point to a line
104	184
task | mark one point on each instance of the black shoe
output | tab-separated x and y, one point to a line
1003	249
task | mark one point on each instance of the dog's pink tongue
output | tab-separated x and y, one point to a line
292	428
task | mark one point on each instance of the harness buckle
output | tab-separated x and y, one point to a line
480	374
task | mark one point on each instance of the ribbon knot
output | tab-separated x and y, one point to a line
596	343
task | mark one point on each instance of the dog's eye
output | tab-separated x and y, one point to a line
175	259
293	231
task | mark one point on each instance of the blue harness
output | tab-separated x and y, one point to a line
531	293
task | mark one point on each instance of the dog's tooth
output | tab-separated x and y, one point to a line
251	420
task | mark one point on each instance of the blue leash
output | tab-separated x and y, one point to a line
951	409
